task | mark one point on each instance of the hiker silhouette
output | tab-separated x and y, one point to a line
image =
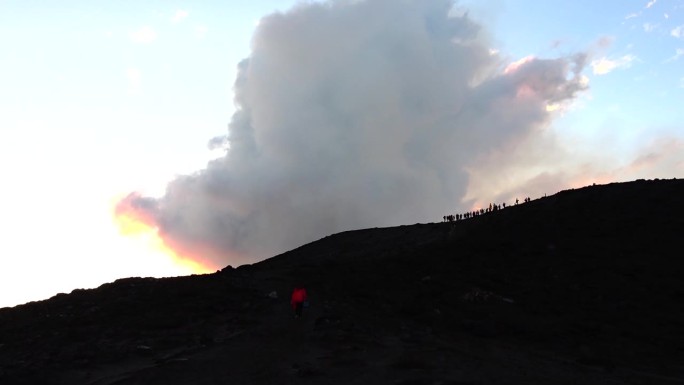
299	296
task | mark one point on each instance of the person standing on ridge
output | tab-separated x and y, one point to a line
297	301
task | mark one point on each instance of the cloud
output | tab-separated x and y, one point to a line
677	31
604	42
604	65
679	52
515	66
179	16
648	27
144	35
663	156
530	170
354	114
637	14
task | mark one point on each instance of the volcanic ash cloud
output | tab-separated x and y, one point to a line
354	114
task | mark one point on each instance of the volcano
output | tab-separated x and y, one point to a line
581	287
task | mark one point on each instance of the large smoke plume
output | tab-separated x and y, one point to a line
354	114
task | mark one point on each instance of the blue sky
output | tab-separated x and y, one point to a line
98	99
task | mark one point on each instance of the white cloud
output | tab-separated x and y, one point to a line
678	32
651	3
514	66
632	15
179	16
678	53
144	35
665	15
648	27
604	65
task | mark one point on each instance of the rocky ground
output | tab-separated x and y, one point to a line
582	287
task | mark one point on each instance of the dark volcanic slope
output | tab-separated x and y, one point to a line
583	287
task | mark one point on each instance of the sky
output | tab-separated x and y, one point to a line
167	138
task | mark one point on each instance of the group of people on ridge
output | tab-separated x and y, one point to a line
492	207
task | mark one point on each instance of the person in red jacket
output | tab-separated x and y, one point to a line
297	301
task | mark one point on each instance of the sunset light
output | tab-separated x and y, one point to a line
145	238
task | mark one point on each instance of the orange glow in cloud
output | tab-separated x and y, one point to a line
512	67
135	225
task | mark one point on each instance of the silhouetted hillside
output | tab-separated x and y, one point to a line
582	287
